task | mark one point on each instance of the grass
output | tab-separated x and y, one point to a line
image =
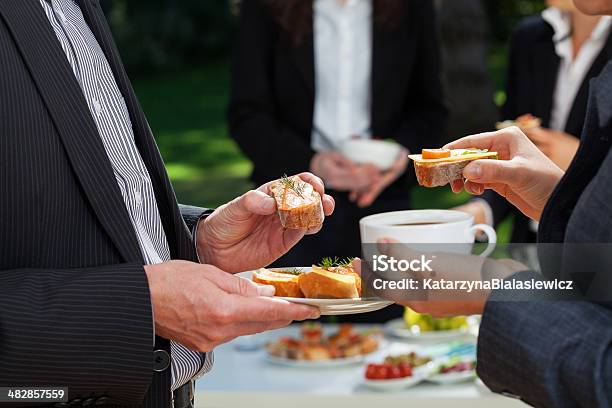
186	112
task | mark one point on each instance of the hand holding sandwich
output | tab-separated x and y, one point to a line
247	234
523	175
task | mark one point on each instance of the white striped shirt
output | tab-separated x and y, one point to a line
112	119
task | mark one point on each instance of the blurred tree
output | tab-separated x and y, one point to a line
157	35
465	36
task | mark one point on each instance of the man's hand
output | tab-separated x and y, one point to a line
201	306
560	147
341	174
247	234
523	175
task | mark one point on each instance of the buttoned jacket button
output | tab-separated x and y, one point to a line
161	360
76	402
102	401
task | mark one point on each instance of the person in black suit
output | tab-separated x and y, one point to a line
308	75
548	351
553	58
101	285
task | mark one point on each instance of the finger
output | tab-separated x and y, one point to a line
492	171
237	285
474	188
479	141
271	309
252	202
229	332
329	204
314	181
457	186
341	161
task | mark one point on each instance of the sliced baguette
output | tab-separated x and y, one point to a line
323	284
299	205
286	284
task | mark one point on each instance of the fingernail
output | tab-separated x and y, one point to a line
266	290
473	171
315	314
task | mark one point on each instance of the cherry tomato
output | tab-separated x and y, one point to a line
405	369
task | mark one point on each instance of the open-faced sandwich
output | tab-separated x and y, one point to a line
439	167
299	205
524	122
332	279
315	346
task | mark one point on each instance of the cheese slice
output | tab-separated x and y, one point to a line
457	155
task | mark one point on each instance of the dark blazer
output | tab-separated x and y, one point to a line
75	308
272	98
532	77
559	353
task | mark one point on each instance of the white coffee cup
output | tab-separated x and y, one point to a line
454	230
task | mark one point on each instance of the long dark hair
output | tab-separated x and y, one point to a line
295	16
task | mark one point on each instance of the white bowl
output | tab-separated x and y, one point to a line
380	153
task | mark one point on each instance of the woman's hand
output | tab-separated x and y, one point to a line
523	175
560	147
341	174
247	234
365	198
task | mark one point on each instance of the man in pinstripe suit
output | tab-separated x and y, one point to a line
102	287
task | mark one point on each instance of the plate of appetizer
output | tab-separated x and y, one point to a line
313	349
419	326
398	372
454	370
333	286
439	167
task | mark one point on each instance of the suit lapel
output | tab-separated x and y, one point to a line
66	104
176	233
303	56
545	82
576	117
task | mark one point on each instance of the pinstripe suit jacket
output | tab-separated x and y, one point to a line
74	303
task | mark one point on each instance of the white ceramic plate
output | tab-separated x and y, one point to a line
453	378
397	328
419	374
336	362
334	307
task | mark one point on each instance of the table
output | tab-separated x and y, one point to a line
246	379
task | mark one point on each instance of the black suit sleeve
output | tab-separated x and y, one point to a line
549	353
191	215
90	328
425	112
272	146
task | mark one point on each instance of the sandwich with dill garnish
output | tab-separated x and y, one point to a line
299	204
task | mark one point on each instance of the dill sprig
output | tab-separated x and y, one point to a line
335	262
290	184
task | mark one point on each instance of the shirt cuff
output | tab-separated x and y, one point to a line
194	232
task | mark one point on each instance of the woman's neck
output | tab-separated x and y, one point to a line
582	27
